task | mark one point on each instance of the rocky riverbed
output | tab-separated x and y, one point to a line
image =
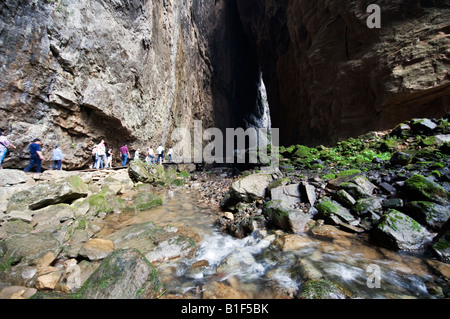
382	198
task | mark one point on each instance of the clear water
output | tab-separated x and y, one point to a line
254	267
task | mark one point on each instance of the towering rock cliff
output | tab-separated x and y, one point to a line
329	76
73	72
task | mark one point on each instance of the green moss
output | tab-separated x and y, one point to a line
278	183
328	177
425	189
185	174
146	201
327	207
348	173
320	289
77	183
105	203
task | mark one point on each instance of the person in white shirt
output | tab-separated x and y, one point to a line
101	154
137	154
160	151
151	155
170	153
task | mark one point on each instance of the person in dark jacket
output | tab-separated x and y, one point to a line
36	156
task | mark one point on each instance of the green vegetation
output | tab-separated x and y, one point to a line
320	289
426	189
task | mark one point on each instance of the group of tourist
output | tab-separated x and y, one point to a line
101	155
101	158
150	156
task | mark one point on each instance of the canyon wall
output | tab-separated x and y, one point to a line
329	76
74	72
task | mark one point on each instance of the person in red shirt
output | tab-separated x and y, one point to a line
124	153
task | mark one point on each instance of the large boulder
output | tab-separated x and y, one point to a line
146	201
289	194
359	187
286	218
157	244
332	211
23	248
441	243
125	274
41	195
140	171
250	188
321	289
419	187
96	249
10	177
400	232
428	213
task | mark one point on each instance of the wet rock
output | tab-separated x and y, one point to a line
286	218
321	289
359	187
309	271
250	188
293	242
45	194
96	249
430	214
308	192
235	261
146	201
365	205
344	198
419	187
388	188
441	243
156	243
124	274
218	290
399	231
10	177
396	203
140	171
333	211
17	292
423	126
289	194
401	158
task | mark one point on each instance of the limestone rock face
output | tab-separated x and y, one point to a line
74	72
329	76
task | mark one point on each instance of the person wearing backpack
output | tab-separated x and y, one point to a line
4	144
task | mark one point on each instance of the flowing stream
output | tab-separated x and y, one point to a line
257	268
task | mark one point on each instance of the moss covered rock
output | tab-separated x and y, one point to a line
428	213
333	211
105	203
286	218
44	194
420	188
146	201
140	171
321	289
125	274
400	232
